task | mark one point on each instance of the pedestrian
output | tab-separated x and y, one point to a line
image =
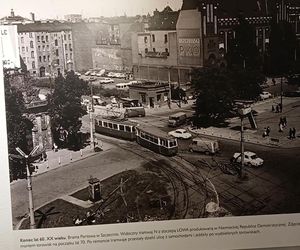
280	107
273	81
264	133
291	133
284	121
280	127
294	133
268	130
277	108
273	109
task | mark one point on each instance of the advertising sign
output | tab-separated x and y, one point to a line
9	49
189	47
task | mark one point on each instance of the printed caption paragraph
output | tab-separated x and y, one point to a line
152	235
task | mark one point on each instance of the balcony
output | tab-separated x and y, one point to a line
152	54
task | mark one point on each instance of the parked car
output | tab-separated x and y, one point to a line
265	95
180	133
87	73
93	73
120	75
250	159
106	80
111	74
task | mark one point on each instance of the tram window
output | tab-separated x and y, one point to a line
121	127
105	124
127	128
142	134
155	140
133	129
163	142
147	137
110	125
172	143
115	126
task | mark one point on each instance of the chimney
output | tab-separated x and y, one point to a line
32	16
12	13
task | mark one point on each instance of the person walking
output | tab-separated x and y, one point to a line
294	133
268	130
280	127
291	133
284	121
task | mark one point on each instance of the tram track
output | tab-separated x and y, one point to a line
185	181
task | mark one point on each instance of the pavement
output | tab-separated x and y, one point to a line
265	117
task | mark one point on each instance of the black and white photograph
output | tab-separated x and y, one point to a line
139	111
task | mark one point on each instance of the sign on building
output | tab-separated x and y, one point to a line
9	49
189	47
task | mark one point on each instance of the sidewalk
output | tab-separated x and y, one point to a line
265	117
64	157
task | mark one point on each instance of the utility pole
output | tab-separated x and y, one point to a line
29	183
169	81
91	118
242	147
281	94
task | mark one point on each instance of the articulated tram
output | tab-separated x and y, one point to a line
156	140
118	128
148	137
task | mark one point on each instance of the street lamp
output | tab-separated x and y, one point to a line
29	185
91	110
243	112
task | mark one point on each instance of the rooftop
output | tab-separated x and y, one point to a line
40	27
164	20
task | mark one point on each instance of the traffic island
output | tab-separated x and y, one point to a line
130	196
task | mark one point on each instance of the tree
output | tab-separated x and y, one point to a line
282	47
243	52
18	128
65	109
215	96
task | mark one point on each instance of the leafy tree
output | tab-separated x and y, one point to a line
242	51
215	95
65	109
18	127
282	47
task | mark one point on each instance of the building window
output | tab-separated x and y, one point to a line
40	58
70	46
56	52
153	38
32	54
42	38
39	48
47	47
22	39
38	38
146	50
65	37
67	56
69	36
46	38
71	55
154	50
66	46
56	42
26	49
23	49
166	38
57	61
33	65
167	51
143	96
145	39
48	58
43	47
44	58
31	44
30	35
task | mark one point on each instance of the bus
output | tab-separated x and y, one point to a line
177	119
135	112
123	86
156	140
116	127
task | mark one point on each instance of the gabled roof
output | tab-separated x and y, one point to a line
164	20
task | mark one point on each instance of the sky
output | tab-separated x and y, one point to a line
44	9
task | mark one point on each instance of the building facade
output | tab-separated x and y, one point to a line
46	48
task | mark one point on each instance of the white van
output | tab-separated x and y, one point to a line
204	145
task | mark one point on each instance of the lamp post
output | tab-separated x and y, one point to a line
29	183
243	112
91	118
169	82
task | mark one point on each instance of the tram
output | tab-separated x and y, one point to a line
117	127
156	140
